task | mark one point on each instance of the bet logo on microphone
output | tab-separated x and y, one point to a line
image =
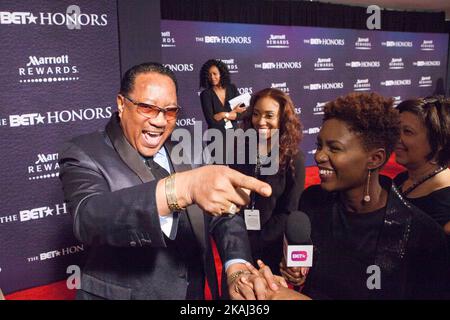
299	255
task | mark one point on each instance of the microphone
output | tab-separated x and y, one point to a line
298	250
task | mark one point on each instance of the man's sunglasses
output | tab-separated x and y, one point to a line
151	111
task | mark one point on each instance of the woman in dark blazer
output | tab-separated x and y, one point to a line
218	91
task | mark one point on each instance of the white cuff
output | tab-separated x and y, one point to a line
233	261
166	223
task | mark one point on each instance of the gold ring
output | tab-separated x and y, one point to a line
232	209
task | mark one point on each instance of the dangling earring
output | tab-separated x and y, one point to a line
366	192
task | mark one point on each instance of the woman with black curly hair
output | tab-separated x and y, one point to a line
369	243
218	91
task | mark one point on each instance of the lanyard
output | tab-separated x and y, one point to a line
256	174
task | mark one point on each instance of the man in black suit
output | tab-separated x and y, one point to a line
145	230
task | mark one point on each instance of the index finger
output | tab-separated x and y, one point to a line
252	269
268	275
242	181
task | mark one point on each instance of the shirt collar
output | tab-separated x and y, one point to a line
161	153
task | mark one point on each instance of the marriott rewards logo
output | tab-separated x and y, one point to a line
280	86
224	39
73	18
318	109
427	45
167	40
362	85
231	65
323	64
363	44
277	41
39	69
43	166
396	64
425	81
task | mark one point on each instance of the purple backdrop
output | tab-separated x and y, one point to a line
314	65
60	73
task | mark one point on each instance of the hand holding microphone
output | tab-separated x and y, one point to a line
298	251
294	275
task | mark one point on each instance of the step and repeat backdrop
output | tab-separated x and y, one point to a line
312	65
60	74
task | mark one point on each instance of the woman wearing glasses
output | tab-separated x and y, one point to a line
424	150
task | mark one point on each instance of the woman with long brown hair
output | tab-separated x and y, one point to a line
272	114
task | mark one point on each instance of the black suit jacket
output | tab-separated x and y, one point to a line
111	194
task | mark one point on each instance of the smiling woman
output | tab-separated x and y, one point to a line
272	111
218	91
359	220
424	150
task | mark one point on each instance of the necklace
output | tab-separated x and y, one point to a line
425	178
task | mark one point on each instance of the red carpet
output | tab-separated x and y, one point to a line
59	291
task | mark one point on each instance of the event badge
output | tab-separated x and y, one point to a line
228	125
252	219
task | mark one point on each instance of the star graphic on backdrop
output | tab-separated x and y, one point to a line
40	119
48	212
32	19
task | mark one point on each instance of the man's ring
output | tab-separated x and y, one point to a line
232	209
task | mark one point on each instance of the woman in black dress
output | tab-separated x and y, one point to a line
218	91
271	110
369	243
424	150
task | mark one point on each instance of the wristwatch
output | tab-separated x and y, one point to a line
227	114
